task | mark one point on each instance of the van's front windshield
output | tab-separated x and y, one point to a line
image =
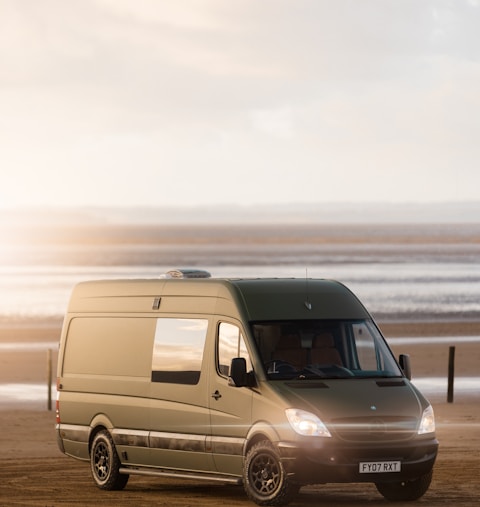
306	349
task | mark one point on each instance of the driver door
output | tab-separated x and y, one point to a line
230	406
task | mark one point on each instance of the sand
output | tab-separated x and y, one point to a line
34	472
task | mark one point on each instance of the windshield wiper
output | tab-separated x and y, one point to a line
378	376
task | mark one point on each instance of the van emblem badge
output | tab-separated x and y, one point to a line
373	407
308	305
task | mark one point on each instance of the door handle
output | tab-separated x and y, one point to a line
216	395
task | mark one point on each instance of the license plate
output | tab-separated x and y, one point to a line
379	467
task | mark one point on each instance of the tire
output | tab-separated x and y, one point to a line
265	479
105	463
405	491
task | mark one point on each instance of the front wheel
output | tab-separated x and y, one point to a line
405	490
265	479
105	463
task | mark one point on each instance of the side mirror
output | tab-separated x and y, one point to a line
238	373
406	365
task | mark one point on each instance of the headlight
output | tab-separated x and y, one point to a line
305	423
427	424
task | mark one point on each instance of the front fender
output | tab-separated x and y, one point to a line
260	430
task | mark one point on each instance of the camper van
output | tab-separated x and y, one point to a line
272	384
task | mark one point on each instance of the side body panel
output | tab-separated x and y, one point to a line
104	380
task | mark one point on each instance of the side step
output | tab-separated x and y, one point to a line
181	474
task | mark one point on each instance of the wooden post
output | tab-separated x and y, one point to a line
451	374
49	378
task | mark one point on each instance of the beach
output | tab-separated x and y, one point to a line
419	282
34	472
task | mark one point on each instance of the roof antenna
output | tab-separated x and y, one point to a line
308	304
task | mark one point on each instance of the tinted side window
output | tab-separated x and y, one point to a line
230	345
366	350
373	355
178	350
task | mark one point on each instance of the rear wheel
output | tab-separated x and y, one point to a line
405	490
265	479
105	463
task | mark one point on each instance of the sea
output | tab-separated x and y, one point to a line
400	272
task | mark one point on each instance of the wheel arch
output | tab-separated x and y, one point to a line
99	423
258	432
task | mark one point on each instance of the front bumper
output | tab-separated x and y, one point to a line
334	462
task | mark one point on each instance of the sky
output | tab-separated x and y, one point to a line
204	102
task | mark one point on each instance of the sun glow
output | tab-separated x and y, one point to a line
11	239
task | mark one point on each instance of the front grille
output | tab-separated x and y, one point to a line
374	429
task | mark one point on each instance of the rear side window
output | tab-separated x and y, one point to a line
178	350
111	346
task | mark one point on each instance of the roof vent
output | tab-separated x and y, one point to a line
186	273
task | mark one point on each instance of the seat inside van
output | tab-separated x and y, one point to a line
289	349
324	351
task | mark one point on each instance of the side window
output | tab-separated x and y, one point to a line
230	344
178	350
366	351
122	345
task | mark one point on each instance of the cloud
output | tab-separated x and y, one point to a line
277	122
343	95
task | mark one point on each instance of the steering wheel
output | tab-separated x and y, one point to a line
279	366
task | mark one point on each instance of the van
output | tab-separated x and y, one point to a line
269	383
